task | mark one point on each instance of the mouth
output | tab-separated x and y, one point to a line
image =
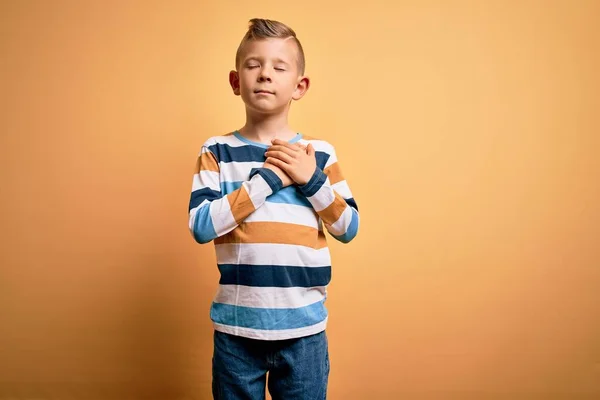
263	92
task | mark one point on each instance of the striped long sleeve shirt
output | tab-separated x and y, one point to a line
270	244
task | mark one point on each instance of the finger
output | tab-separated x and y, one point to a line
278	163
310	150
280	155
291	152
280	142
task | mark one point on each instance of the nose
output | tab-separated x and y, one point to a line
264	75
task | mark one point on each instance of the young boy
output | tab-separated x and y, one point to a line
263	193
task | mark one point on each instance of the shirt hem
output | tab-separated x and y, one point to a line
271	335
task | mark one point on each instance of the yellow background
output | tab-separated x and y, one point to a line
468	131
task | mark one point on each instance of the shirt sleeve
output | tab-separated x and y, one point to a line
211	214
332	199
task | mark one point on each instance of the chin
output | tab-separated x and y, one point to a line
264	108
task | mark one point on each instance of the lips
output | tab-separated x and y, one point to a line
264	91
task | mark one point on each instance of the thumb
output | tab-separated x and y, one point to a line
310	149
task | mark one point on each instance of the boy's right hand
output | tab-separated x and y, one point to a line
287	181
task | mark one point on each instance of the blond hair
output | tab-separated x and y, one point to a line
265	28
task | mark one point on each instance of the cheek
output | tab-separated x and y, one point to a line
245	80
291	86
246	90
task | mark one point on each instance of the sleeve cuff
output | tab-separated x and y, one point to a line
274	182
314	184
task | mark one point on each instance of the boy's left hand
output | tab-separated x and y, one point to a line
296	161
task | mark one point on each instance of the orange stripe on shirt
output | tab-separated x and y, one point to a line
207	162
275	232
334	173
306	137
240	204
332	212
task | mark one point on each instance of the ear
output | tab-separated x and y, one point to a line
301	87
234	81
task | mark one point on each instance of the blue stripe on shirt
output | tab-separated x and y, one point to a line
352	203
290	195
268	318
287	195
322	158
274	275
229	187
198	196
226	153
351	231
204	230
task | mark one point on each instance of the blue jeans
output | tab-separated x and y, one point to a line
298	368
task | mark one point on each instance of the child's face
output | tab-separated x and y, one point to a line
268	77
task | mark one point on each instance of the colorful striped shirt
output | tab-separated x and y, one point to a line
270	244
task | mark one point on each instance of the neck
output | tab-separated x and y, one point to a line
263	127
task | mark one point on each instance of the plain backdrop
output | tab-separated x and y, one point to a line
467	130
